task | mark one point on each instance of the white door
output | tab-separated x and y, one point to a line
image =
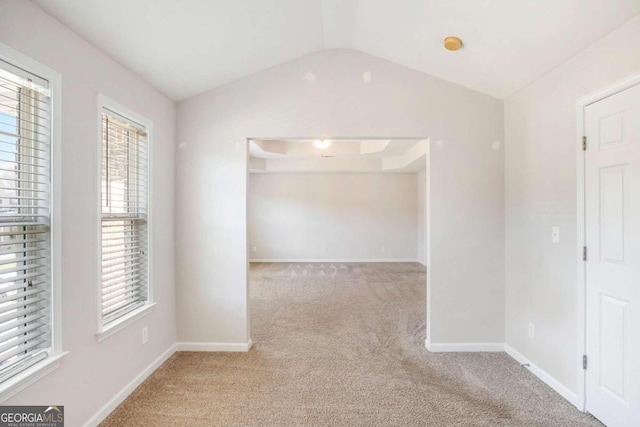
612	177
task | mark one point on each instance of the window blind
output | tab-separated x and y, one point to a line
124	216
25	239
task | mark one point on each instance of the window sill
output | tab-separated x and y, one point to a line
125	321
29	376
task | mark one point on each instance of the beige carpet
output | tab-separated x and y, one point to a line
342	345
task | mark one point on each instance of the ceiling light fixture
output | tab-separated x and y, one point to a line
322	143
452	43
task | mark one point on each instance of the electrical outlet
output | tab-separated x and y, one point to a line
254	249
532	330
145	335
382	249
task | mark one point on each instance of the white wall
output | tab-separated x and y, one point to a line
307	216
91	374
540	123
467	186
422	216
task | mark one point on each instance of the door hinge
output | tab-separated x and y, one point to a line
584	143
584	253
584	361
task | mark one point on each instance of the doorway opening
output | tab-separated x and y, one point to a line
331	223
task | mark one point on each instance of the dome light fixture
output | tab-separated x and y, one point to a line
452	43
322	143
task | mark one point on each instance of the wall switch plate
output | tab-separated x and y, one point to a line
145	335
555	235
532	330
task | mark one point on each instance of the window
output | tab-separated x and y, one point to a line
26	275
124	217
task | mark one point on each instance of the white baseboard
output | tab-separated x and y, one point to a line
335	260
214	346
544	376
128	389
463	347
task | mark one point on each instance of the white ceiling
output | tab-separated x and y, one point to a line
189	46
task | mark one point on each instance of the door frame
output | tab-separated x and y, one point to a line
581	105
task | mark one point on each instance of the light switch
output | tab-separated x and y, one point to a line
555	235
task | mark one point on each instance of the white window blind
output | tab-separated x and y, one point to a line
124	216
25	218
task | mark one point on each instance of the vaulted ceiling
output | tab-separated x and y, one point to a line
184	47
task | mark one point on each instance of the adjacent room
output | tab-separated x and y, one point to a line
319	213
332	200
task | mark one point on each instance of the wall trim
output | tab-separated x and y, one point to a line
116	400
427	243
240	347
463	347
545	377
335	260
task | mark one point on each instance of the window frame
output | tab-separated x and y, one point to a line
37	371
108	330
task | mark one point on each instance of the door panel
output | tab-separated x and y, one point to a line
612	211
612	195
614	319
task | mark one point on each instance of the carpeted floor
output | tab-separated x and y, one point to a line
342	345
